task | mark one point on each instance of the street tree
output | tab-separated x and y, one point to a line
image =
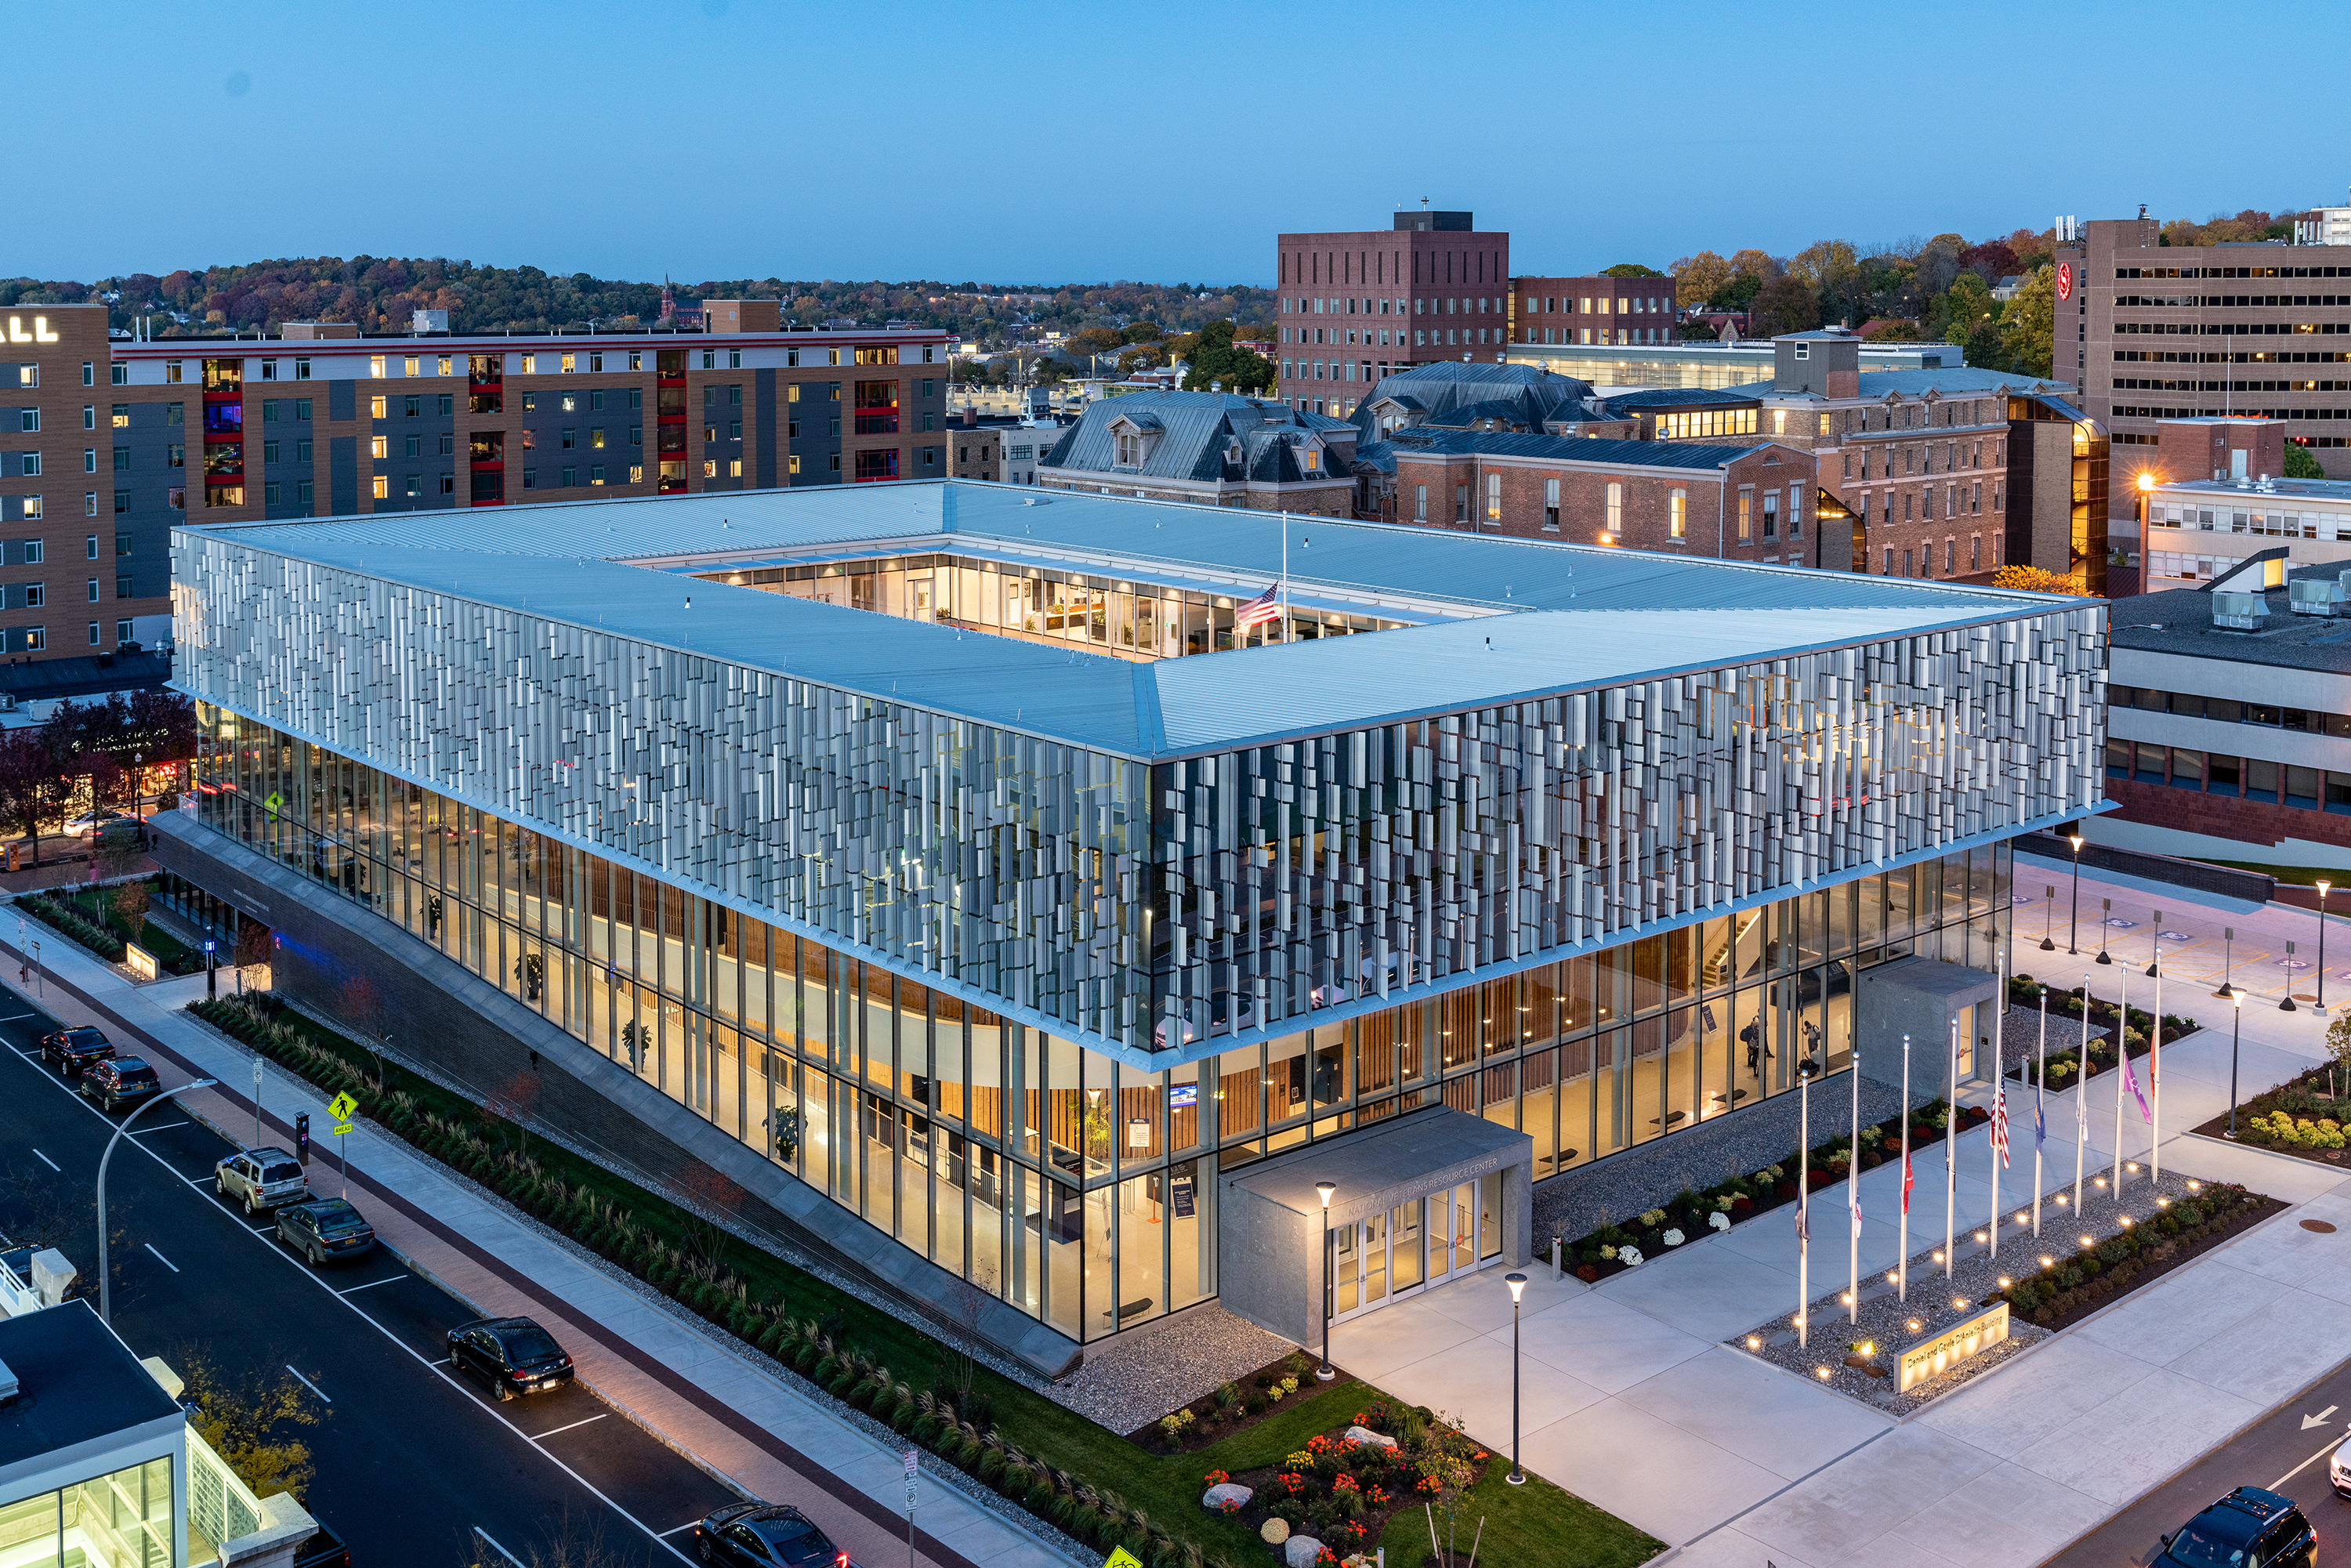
2301	465
1697	277
2028	323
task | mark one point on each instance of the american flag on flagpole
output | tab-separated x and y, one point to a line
1999	1122
1262	610
1907	1175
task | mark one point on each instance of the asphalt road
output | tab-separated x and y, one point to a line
2286	1451
410	1458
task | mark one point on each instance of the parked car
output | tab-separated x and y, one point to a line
765	1535
514	1355
71	1050
260	1178
119	1081
2338	1469
90	823
325	1228
2248	1526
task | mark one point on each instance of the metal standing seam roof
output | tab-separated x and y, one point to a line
1556	448
1193	429
1539	618
1918	383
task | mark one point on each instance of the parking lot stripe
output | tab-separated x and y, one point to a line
49	1161
543	1437
371	1284
160	1258
310	1386
166	1127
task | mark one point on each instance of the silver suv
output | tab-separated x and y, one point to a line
262	1178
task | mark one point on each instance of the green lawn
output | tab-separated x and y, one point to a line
2289	876
1537	1523
97	905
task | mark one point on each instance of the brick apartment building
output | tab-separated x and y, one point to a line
1514	450
1591	310
1945	472
120	441
2154	331
1355	307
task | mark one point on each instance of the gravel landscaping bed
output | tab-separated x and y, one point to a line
1935	1303
1141	1375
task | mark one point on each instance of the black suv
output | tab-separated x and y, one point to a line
765	1535
2248	1526
119	1081
71	1050
514	1354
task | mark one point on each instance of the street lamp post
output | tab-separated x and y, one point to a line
1806	1070
2073	921
1324	1373
2236	1037
1517	1284
104	1274
2323	885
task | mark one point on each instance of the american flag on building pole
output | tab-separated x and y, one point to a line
1262	610
1999	1122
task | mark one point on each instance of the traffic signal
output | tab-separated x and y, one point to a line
302	1136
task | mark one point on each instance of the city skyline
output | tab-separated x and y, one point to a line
1066	203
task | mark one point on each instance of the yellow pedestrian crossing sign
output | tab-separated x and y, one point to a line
340	1108
1119	1557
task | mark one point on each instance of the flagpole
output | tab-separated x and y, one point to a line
1852	1177
1902	1267
2155	1063
1285	577
1951	1153
2040	1111
2082	1097
2122	1062
1999	1138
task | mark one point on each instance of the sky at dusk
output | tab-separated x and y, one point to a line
1049	144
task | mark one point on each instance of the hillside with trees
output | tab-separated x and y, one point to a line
1931	291
380	294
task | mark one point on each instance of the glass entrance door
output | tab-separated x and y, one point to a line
1424	1242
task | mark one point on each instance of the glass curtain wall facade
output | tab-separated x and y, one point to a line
122	1520
1130	617
1079	1189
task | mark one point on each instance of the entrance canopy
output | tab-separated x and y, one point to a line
1269	1248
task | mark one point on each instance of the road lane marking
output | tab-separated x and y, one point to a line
310	1386
439	1368
2318	1420
543	1437
160	1258
2332	1444
371	1284
49	1161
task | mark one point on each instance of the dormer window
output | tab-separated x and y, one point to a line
1804	351
1311	459
1130	451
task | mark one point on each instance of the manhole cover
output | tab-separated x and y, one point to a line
2320	1226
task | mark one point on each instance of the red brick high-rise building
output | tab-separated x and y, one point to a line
1358	305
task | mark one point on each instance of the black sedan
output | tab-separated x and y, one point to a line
119	1080
514	1355
765	1535
326	1228
71	1050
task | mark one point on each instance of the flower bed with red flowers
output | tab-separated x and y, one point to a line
1343	1493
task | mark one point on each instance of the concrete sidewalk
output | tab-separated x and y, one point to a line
1632	1400
737	1421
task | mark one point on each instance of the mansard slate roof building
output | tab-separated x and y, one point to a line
1210	448
955	870
1453	395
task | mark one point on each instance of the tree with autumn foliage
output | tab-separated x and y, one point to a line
2033	579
